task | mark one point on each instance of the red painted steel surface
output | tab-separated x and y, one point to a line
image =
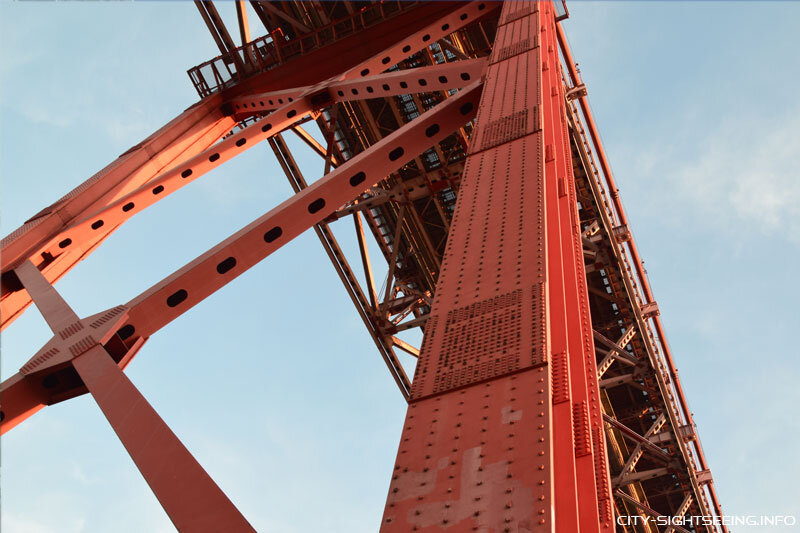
168	299
188	494
338	58
91	222
433	78
638	264
476	459
191	132
153	309
505	427
509	330
593	489
190	497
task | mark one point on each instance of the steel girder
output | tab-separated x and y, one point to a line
89	354
666	447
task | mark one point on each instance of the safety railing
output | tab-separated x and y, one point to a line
271	50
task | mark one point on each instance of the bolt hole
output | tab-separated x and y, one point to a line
357	179
273	234
396	154
316	205
177	297
226	265
126	331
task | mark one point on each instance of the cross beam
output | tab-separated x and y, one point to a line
173	296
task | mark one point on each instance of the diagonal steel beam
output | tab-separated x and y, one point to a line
302	28
638	450
636	477
421	79
362	246
647	296
631	434
193	501
158	188
342	267
406	347
176	178
173	296
190	497
396	38
188	134
395	252
170	298
215	25
314	144
617	349
682	509
647	510
44	235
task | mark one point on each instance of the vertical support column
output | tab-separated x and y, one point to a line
592	483
476	451
566	388
500	434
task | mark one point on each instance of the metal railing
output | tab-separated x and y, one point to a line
274	49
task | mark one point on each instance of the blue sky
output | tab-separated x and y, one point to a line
273	382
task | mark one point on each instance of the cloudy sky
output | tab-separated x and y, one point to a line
274	385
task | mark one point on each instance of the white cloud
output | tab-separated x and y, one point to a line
746	172
13	522
48	523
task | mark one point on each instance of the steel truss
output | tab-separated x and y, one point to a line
545	395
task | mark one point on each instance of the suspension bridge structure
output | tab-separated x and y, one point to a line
457	136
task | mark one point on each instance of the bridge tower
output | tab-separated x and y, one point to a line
457	134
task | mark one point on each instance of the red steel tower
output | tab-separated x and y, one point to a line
544	396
